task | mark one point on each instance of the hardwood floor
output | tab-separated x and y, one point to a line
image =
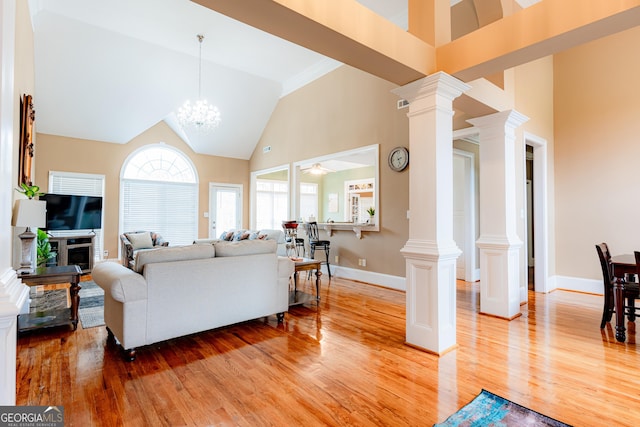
343	364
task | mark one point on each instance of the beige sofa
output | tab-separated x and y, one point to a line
182	290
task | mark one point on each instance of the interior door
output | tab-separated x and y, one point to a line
464	214
225	208
459	228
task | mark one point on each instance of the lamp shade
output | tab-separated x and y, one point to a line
30	213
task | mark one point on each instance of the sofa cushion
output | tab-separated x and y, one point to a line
140	240
174	253
245	247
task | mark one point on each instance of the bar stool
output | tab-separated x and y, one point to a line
316	243
294	244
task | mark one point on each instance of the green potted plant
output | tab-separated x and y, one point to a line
44	252
30	191
372	212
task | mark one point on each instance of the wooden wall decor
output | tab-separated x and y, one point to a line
27	117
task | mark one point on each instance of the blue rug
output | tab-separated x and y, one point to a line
91	309
487	409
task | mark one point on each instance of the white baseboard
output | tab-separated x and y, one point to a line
578	284
380	279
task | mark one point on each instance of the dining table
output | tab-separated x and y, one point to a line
622	266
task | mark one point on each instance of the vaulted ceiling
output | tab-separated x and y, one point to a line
109	70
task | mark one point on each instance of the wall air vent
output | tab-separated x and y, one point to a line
402	103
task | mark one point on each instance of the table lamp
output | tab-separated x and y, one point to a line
28	213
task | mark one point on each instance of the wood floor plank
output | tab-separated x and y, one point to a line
343	362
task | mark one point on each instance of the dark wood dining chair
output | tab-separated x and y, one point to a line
631	289
316	243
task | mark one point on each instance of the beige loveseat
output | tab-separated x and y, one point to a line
182	290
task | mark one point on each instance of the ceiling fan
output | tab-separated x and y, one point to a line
316	169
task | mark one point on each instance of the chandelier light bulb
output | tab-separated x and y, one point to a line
201	115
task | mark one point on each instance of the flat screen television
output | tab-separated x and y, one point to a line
70	212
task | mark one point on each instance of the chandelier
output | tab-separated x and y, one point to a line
201	115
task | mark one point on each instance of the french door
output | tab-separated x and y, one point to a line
225	208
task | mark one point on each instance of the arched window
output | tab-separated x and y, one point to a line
159	193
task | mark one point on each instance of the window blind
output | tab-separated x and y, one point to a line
272	199
80	184
168	208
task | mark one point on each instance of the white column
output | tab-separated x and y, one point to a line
499	243
431	252
13	293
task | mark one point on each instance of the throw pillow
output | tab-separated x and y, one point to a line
140	240
237	236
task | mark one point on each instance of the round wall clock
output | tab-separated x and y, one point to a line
398	159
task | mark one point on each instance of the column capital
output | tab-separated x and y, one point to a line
438	83
508	119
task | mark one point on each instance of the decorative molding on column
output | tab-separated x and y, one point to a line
13	295
441	83
430	251
499	243
504	122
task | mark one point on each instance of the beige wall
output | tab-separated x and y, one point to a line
57	153
343	110
533	95
24	77
597	123
24	83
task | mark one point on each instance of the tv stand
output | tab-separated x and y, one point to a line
74	250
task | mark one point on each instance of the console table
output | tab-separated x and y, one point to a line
297	297
51	276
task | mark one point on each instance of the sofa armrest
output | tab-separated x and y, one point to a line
286	267
121	283
126	249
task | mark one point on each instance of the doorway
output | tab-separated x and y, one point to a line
225	208
538	237
530	224
464	214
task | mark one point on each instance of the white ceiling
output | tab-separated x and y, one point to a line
109	70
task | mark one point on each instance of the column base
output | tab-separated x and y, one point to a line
499	277
431	296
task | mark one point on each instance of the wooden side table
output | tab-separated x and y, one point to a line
297	297
51	276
